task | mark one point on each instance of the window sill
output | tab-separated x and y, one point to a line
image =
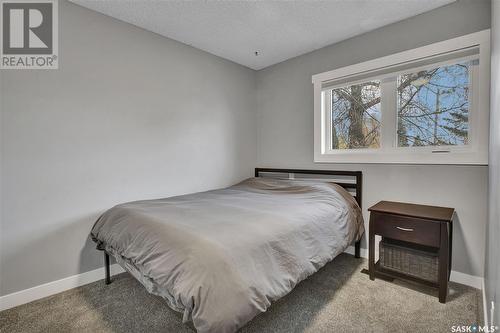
379	157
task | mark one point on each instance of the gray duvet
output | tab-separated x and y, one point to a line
221	257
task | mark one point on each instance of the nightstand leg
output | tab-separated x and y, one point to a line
371	250
444	262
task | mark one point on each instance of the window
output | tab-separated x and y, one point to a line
424	106
433	106
356	116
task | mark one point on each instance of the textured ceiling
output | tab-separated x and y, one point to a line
277	30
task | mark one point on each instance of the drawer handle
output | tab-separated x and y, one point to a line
404	229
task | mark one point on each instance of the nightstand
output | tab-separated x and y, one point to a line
413	236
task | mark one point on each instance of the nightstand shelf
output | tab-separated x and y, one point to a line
416	229
389	274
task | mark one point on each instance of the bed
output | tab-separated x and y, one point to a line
221	257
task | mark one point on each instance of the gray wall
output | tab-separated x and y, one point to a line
492	270
285	125
129	115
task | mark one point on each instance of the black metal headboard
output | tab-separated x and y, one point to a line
350	180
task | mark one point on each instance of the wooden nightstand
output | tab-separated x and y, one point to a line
427	229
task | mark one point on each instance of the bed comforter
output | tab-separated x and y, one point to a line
221	257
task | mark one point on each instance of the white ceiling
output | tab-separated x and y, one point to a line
278	30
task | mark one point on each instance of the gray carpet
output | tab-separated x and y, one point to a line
339	298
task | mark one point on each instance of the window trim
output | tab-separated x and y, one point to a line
476	153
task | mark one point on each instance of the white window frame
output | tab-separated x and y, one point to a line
475	152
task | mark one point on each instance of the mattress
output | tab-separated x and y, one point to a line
221	257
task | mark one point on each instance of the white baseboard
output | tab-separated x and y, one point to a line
485	304
468	280
54	287
462	278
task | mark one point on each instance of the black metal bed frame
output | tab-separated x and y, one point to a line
357	185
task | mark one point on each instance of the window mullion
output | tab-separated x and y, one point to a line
327	105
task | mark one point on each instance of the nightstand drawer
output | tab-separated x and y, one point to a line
415	230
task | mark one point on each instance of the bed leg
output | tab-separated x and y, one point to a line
357	249
106	268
